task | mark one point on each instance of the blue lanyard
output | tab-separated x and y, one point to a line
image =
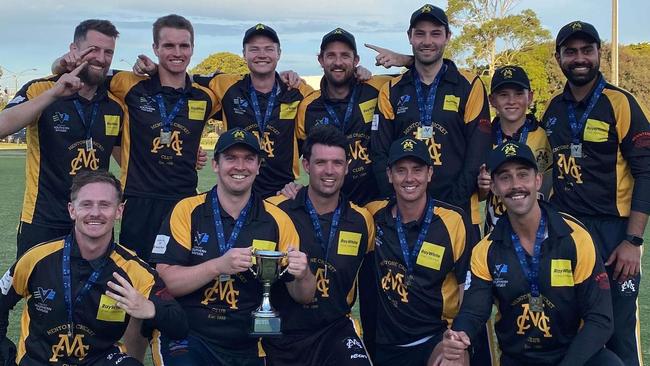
218	225
80	111
67	281
426	107
319	231
577	126
168	118
348	110
261	123
411	257
531	271
523	136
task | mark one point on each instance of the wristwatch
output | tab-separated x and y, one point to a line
635	240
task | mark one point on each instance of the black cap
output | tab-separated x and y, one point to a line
509	75
339	34
409	147
508	151
429	12
236	136
261	29
574	28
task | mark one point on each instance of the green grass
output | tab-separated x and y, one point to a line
12	183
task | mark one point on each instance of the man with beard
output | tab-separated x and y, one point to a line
600	137
435	103
348	104
73	124
336	236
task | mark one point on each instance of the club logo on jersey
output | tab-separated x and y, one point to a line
200	239
543	159
628	287
239	105
402	104
567	166
359	152
351	342
6	282
60	120
550	124
147	104
322	283
499	271
266	144
396	284
223	291
43	295
65	348
529	319
175	143
84	160
434	148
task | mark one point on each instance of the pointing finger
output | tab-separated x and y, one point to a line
76	71
373	47
86	51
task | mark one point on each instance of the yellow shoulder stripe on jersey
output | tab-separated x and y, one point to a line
585	251
123	82
378	81
476	100
276	200
453	221
288	235
301	132
384	105
216	102
479	263
28	261
374	206
180	222
370	225
621	107
141	279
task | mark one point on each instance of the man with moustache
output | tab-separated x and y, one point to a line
204	255
73	123
421	250
435	103
336	235
600	136
542	270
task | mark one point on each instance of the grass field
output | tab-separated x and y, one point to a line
12	184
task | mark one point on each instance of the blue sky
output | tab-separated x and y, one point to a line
35	32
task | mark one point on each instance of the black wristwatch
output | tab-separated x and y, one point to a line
635	240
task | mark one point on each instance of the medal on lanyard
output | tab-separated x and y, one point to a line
67	281
535	301
261	123
218	226
577	126
87	125
336	217
425	131
410	257
166	129
348	111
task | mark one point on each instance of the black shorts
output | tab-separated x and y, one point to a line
335	345
29	235
141	222
194	351
418	355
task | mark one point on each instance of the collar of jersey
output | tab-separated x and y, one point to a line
557	228
254	213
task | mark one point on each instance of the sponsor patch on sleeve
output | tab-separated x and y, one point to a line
160	245
5	282
375	122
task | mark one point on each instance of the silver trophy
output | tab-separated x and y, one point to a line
266	320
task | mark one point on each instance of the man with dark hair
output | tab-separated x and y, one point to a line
82	290
73	123
421	250
336	235
204	254
542	270
172	21
600	136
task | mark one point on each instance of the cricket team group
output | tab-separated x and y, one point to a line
397	167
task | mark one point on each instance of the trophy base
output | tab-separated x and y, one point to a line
266	327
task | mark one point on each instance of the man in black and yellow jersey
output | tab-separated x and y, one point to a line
436	103
203	253
345	102
82	290
260	102
336	237
542	270
510	95
600	137
73	123
421	252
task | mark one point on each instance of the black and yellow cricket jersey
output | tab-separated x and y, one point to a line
98	323
613	176
538	143
280	159
335	288
360	185
409	312
577	317
461	134
56	148
150	167
220	311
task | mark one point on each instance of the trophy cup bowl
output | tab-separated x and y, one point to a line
266	321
